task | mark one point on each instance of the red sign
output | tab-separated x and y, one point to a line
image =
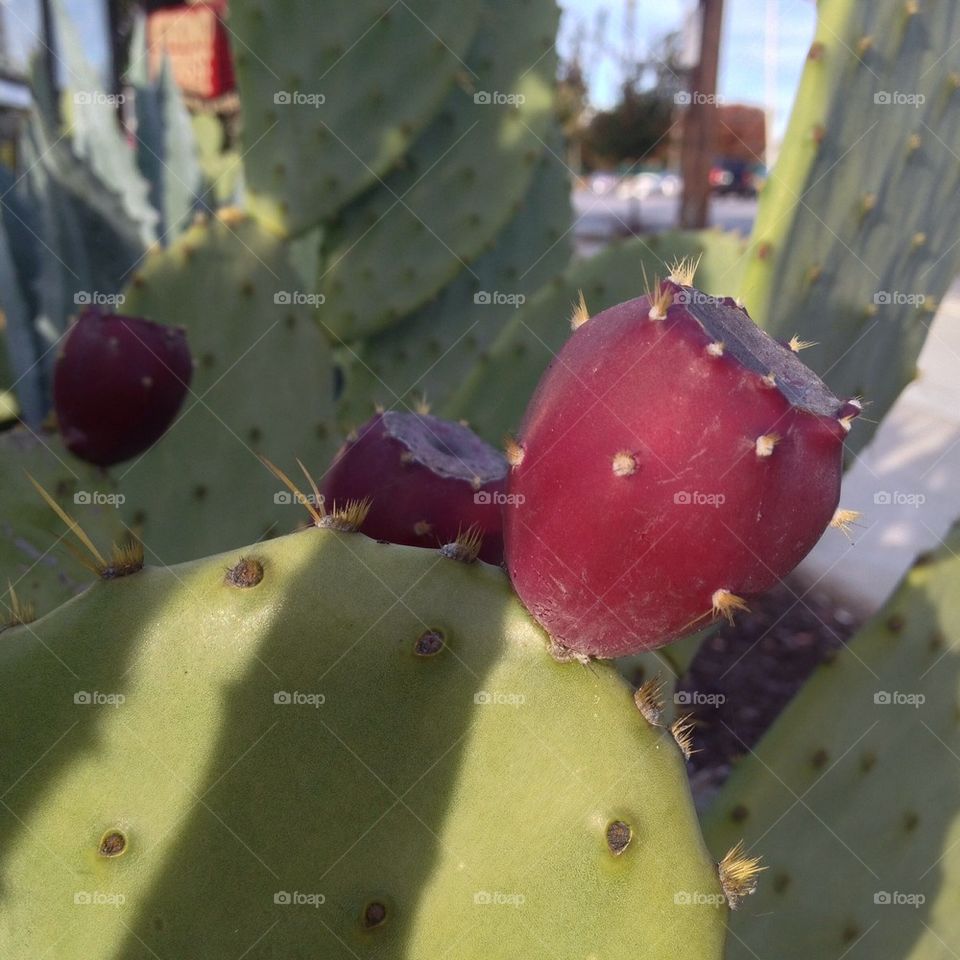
195	40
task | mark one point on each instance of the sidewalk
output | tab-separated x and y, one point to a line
906	483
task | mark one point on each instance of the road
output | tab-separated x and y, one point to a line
601	218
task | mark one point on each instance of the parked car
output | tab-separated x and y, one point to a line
639	186
603	182
733	177
671	185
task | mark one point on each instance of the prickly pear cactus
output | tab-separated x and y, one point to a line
427	480
694	434
262	385
430	352
208	754
34	555
854	242
326	114
495	395
459	184
118	384
221	166
853	793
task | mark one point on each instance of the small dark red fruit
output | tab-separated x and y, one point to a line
428	479
117	384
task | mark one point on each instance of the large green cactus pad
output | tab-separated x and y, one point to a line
855	239
381	69
853	797
370	752
494	397
460	183
262	384
432	351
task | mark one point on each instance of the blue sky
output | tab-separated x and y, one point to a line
22	22
751	27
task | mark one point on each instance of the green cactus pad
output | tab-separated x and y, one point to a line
262	384
853	797
855	238
459	185
34	558
494	397
325	746
220	167
432	351
381	70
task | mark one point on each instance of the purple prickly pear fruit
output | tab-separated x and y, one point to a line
428	479
117	384
673	461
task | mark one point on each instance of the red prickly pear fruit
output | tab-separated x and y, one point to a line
428	480
117	384
673	460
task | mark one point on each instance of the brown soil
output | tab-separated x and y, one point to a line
743	676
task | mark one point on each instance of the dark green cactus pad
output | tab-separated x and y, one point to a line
494	397
855	240
853	797
34	555
332	96
262	384
322	746
431	352
459	185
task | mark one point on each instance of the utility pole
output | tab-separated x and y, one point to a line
48	58
700	119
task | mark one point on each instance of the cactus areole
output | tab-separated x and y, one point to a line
673	461
428	480
117	385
